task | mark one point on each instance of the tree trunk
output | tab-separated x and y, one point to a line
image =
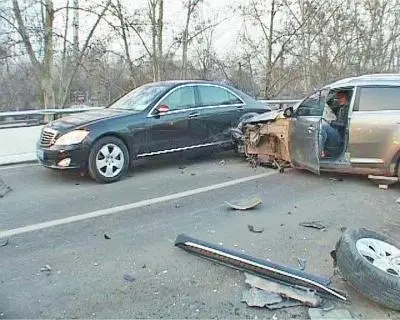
185	42
44	70
152	13
126	45
160	26
268	75
47	82
82	54
75	25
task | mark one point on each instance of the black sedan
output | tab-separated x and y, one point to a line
154	119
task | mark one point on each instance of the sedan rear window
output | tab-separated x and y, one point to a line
216	96
379	98
139	99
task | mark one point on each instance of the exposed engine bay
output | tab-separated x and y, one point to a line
265	139
269	142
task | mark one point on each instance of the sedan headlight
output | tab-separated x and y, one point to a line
73	137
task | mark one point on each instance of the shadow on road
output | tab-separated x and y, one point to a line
178	161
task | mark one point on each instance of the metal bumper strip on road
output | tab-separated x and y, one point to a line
129	206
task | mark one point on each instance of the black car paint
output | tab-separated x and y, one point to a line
143	134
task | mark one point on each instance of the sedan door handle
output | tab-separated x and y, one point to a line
194	115
310	129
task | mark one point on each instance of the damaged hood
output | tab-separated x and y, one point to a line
265	117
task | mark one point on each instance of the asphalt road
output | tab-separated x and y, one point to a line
87	276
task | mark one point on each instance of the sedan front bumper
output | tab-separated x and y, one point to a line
63	157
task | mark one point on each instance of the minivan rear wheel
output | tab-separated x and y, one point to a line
108	160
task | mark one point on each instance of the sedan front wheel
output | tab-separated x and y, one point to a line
108	160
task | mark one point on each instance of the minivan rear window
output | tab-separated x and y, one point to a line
379	98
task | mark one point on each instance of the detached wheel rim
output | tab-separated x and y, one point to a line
380	254
110	160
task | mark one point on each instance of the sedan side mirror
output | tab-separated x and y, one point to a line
162	108
288	113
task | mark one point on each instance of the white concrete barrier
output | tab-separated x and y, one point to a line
18	144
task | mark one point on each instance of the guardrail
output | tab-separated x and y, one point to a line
27	118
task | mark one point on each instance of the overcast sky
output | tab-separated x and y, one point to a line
225	35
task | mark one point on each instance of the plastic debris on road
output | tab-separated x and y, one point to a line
4	189
245	204
255	229
4	243
302	263
259	298
46	268
313	224
320	314
302	297
129	277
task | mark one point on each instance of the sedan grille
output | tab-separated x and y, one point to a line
47	137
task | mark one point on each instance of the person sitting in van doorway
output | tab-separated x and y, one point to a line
330	134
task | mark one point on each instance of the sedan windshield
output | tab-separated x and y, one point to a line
138	99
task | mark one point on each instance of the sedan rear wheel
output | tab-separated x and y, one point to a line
108	160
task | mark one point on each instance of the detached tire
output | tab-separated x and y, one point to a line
108	160
367	260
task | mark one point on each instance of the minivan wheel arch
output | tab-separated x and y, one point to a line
394	165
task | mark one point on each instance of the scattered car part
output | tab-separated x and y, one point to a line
255	229
257	266
245	204
253	161
284	304
4	243
336	179
306	297
4	188
129	277
383	180
370	262
260	298
320	314
302	263
313	224
107	236
46	268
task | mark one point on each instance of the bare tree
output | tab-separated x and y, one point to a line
285	47
43	69
65	88
190	9
124	32
156	16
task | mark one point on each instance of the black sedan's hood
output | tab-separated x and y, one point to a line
85	118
